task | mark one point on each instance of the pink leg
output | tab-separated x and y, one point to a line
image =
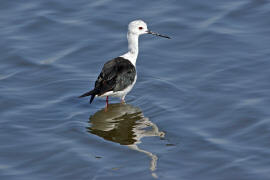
107	103
107	100
123	100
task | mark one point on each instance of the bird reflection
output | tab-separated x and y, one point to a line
126	125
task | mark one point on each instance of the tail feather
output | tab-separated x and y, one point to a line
92	93
86	94
92	98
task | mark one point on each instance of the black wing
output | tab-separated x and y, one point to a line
116	75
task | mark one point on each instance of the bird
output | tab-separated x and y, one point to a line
119	75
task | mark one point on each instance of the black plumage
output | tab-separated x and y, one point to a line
116	75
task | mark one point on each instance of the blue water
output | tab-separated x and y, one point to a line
199	109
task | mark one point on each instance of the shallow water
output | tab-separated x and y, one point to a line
199	109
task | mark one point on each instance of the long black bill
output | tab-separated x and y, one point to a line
156	34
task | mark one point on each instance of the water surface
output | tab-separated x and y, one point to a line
199	109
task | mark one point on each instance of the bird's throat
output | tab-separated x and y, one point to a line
133	44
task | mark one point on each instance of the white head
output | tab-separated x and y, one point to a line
135	29
139	27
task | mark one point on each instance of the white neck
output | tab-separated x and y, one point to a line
133	48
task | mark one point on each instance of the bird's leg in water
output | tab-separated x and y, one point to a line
123	100
107	103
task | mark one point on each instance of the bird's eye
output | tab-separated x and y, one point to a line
140	28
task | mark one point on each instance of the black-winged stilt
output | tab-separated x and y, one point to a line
118	75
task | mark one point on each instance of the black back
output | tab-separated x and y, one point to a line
116	75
